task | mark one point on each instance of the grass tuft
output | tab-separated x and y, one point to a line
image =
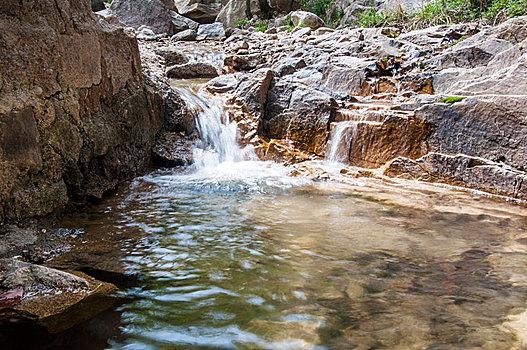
452	99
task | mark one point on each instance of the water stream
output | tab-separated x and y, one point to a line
235	254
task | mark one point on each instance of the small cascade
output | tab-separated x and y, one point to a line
218	134
340	142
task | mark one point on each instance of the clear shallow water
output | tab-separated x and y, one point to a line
242	256
235	254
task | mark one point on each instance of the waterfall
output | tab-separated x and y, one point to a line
340	142
218	134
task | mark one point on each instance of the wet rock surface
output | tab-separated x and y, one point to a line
399	95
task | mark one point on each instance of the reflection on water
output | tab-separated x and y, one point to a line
242	256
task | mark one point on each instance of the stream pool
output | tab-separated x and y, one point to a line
242	256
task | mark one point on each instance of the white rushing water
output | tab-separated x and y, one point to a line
218	134
340	143
219	160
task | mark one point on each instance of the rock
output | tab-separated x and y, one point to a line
222	84
201	12
151	13
186	35
324	30
192	70
213	31
75	115
462	170
304	19
301	31
172	150
178	117
284	6
169	4
236	10
97	5
182	23
253	89
289	66
490	127
171	56
145	33
45	294
240	63
299	114
348	76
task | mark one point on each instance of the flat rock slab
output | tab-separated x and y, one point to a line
45	294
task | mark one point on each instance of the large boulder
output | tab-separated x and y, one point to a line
236	10
172	149
75	115
304	19
491	127
151	13
299	114
182	23
201	12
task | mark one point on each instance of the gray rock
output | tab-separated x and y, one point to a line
151	13
213	31
186	35
462	170
46	294
306	19
172	150
192	70
490	127
289	66
182	23
201	12
236	10
299	114
171	56
97	5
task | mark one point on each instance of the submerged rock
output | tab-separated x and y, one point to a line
45	294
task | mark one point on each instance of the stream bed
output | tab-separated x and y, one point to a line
242	256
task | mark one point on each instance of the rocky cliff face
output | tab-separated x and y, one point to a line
75	115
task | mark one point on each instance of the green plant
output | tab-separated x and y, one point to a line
452	99
260	26
241	23
372	18
507	8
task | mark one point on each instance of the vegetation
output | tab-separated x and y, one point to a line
373	18
261	26
452	99
241	23
445	12
325	9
